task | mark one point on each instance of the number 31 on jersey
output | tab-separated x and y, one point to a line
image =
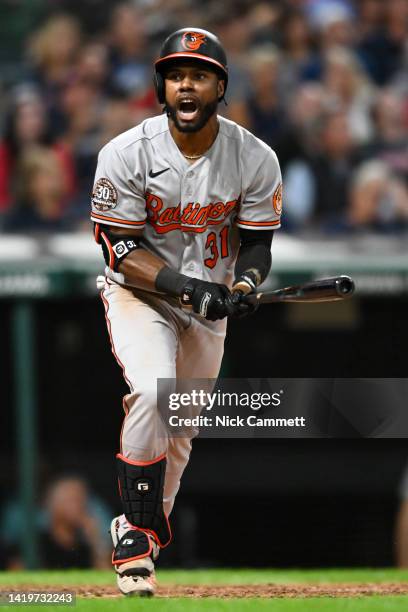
216	246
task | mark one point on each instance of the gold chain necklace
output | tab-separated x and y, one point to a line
196	156
193	156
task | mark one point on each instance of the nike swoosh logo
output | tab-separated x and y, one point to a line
153	174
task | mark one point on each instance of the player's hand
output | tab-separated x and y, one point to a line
237	308
207	299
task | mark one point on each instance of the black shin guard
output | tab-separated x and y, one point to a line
141	487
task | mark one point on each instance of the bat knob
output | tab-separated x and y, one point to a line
346	285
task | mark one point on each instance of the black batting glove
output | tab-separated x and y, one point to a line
237	308
207	299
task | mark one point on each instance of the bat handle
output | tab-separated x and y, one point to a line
251	298
244	287
237	296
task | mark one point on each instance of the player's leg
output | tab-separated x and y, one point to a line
199	356
144	342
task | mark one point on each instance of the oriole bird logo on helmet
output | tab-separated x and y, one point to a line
192	41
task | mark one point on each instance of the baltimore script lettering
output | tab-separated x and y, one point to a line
194	218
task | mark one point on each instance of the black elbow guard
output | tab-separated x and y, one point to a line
115	247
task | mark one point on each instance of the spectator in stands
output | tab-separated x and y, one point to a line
264	113
129	51
230	22
371	17
378	199
71	535
333	26
332	169
92	67
297	147
299	59
334	23
117	117
94	15
334	19
317	189
82	105
27	126
390	143
264	22
41	194
383	44
53	51
131	60
347	84
300	138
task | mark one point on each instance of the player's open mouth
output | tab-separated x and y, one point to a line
187	109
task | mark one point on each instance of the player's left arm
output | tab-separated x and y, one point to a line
258	218
254	259
252	267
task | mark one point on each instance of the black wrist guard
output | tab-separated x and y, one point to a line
115	247
170	282
247	282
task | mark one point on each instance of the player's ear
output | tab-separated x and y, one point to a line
221	88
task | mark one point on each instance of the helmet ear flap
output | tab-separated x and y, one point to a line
158	82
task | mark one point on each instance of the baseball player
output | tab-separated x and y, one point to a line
184	207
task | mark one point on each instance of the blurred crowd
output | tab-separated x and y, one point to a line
323	82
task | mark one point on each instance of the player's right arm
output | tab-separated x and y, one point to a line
139	267
143	270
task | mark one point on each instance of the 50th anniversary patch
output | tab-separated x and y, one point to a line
104	195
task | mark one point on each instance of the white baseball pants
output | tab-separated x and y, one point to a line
153	339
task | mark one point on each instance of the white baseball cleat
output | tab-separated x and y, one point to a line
137	584
135	576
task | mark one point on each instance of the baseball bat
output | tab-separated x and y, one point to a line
322	290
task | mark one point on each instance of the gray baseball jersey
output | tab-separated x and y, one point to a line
189	213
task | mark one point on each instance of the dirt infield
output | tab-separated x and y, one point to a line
235	591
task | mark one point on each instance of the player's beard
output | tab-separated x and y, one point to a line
206	112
